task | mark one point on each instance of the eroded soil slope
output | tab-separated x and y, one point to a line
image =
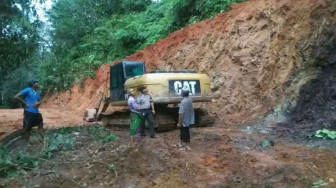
314	107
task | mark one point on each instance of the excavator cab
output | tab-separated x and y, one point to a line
119	73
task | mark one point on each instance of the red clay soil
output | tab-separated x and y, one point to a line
219	157
249	52
11	119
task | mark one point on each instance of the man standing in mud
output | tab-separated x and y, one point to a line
186	118
147	111
31	100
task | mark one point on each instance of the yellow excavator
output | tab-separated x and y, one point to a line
165	88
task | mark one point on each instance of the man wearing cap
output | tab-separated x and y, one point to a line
186	118
147	111
133	106
31	100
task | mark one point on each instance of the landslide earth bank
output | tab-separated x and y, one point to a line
257	55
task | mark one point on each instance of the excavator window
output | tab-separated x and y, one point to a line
134	70
116	76
119	73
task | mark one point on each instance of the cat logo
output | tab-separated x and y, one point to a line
192	85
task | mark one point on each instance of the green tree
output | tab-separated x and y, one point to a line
18	42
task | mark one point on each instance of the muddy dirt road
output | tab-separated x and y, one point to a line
11	119
220	157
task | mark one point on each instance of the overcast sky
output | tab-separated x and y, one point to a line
41	9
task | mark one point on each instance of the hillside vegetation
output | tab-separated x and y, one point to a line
86	34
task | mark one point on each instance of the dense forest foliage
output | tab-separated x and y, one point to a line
83	35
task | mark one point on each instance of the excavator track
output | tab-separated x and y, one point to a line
163	122
165	119
203	118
